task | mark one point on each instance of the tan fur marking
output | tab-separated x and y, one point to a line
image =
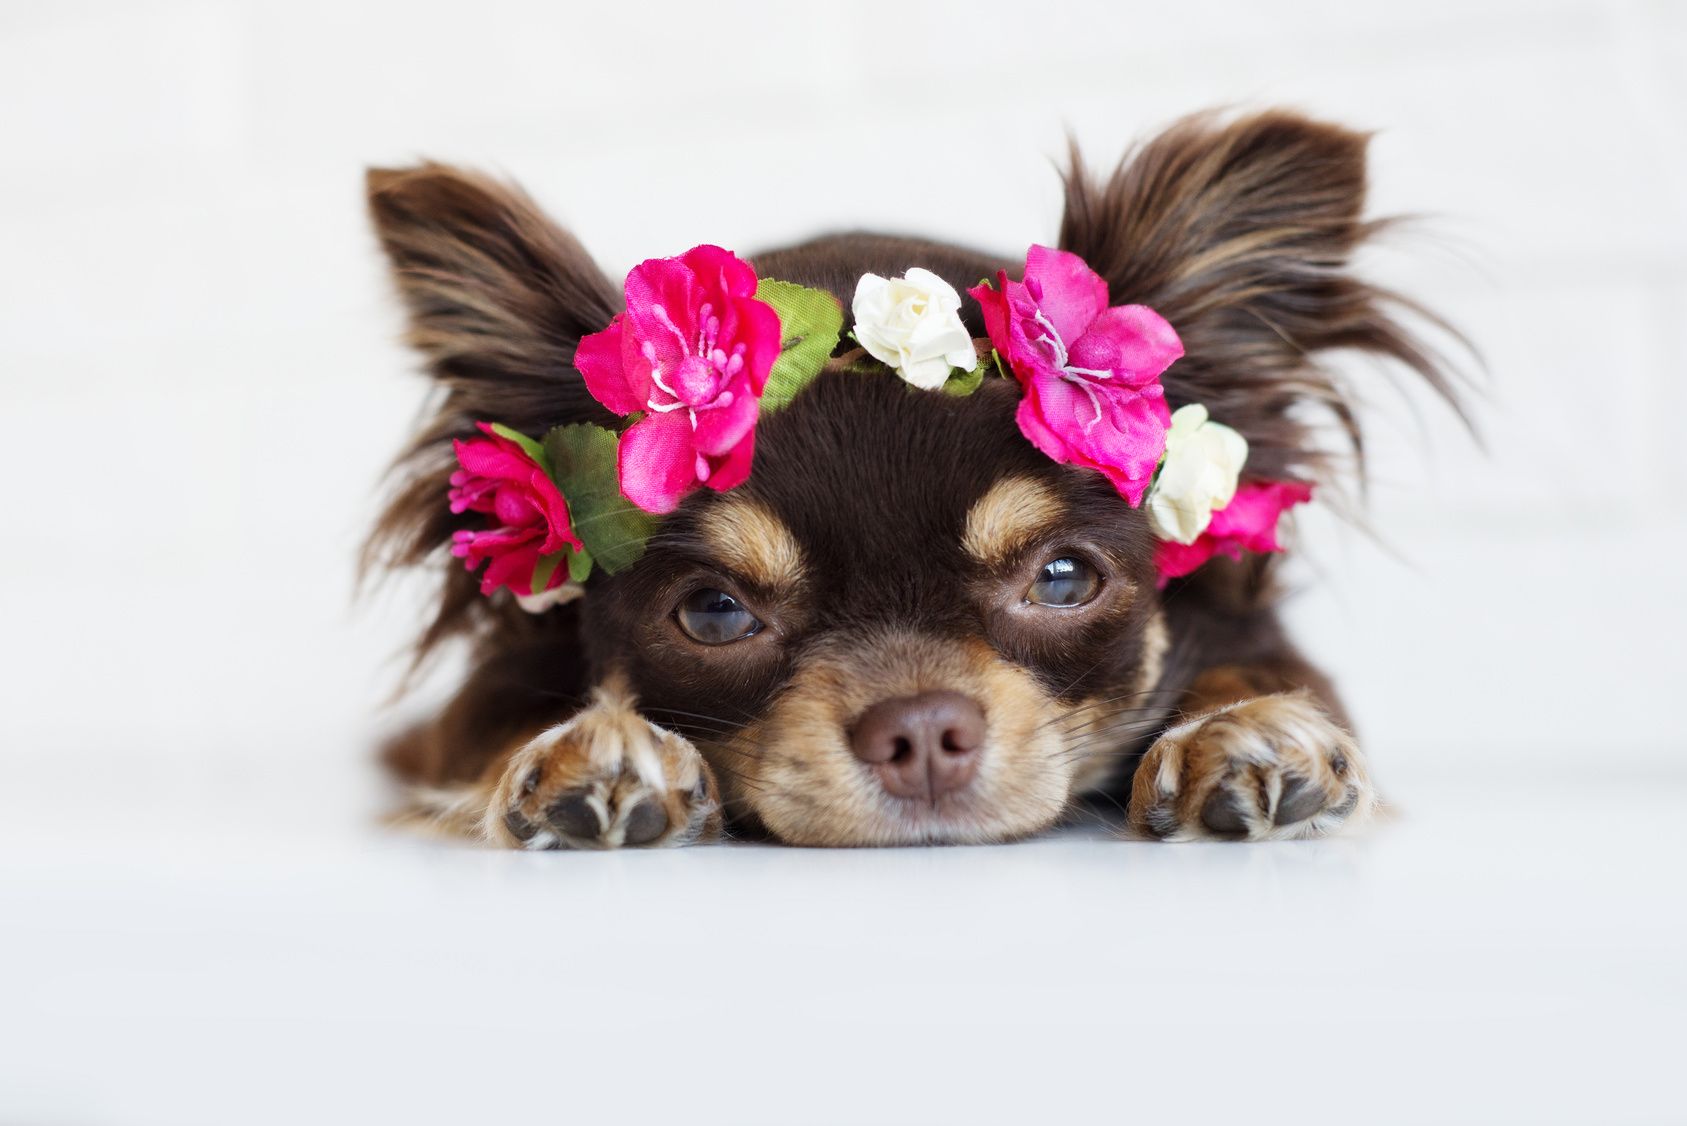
753	542
1003	519
1156	640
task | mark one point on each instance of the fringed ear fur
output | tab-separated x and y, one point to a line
498	297
1240	233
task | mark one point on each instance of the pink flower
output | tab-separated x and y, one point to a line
693	350
529	517
1247	523
1091	373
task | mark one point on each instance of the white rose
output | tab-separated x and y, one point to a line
913	323
1203	462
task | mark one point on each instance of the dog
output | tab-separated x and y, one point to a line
908	625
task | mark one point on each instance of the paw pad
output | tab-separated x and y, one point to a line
1300	799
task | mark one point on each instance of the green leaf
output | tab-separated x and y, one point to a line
579	566
531	448
613	529
963	383
810	321
544	569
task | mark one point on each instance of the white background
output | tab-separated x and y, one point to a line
199	385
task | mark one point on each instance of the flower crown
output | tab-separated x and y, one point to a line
705	347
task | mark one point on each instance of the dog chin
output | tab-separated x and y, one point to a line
923	825
952	819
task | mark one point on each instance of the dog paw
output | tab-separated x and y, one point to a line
608	778
1270	768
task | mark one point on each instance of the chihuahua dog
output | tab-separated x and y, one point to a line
908	626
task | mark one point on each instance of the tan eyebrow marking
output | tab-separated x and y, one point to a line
1003	519
753	542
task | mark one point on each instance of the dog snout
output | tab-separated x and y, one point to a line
921	746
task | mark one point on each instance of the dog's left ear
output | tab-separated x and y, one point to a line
1240	233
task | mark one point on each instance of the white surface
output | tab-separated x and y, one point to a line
199	384
1505	952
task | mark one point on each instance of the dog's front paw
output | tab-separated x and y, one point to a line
1270	768
608	778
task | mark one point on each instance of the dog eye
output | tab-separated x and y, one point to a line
714	617
1064	582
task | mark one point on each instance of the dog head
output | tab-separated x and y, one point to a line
885	638
908	625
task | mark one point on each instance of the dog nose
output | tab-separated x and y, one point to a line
921	746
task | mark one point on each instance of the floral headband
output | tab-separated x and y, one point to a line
705	348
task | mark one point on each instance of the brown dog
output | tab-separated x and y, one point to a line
908	626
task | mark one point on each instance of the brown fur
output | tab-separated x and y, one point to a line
885	537
1240	234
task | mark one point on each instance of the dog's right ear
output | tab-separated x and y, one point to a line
498	299
498	294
